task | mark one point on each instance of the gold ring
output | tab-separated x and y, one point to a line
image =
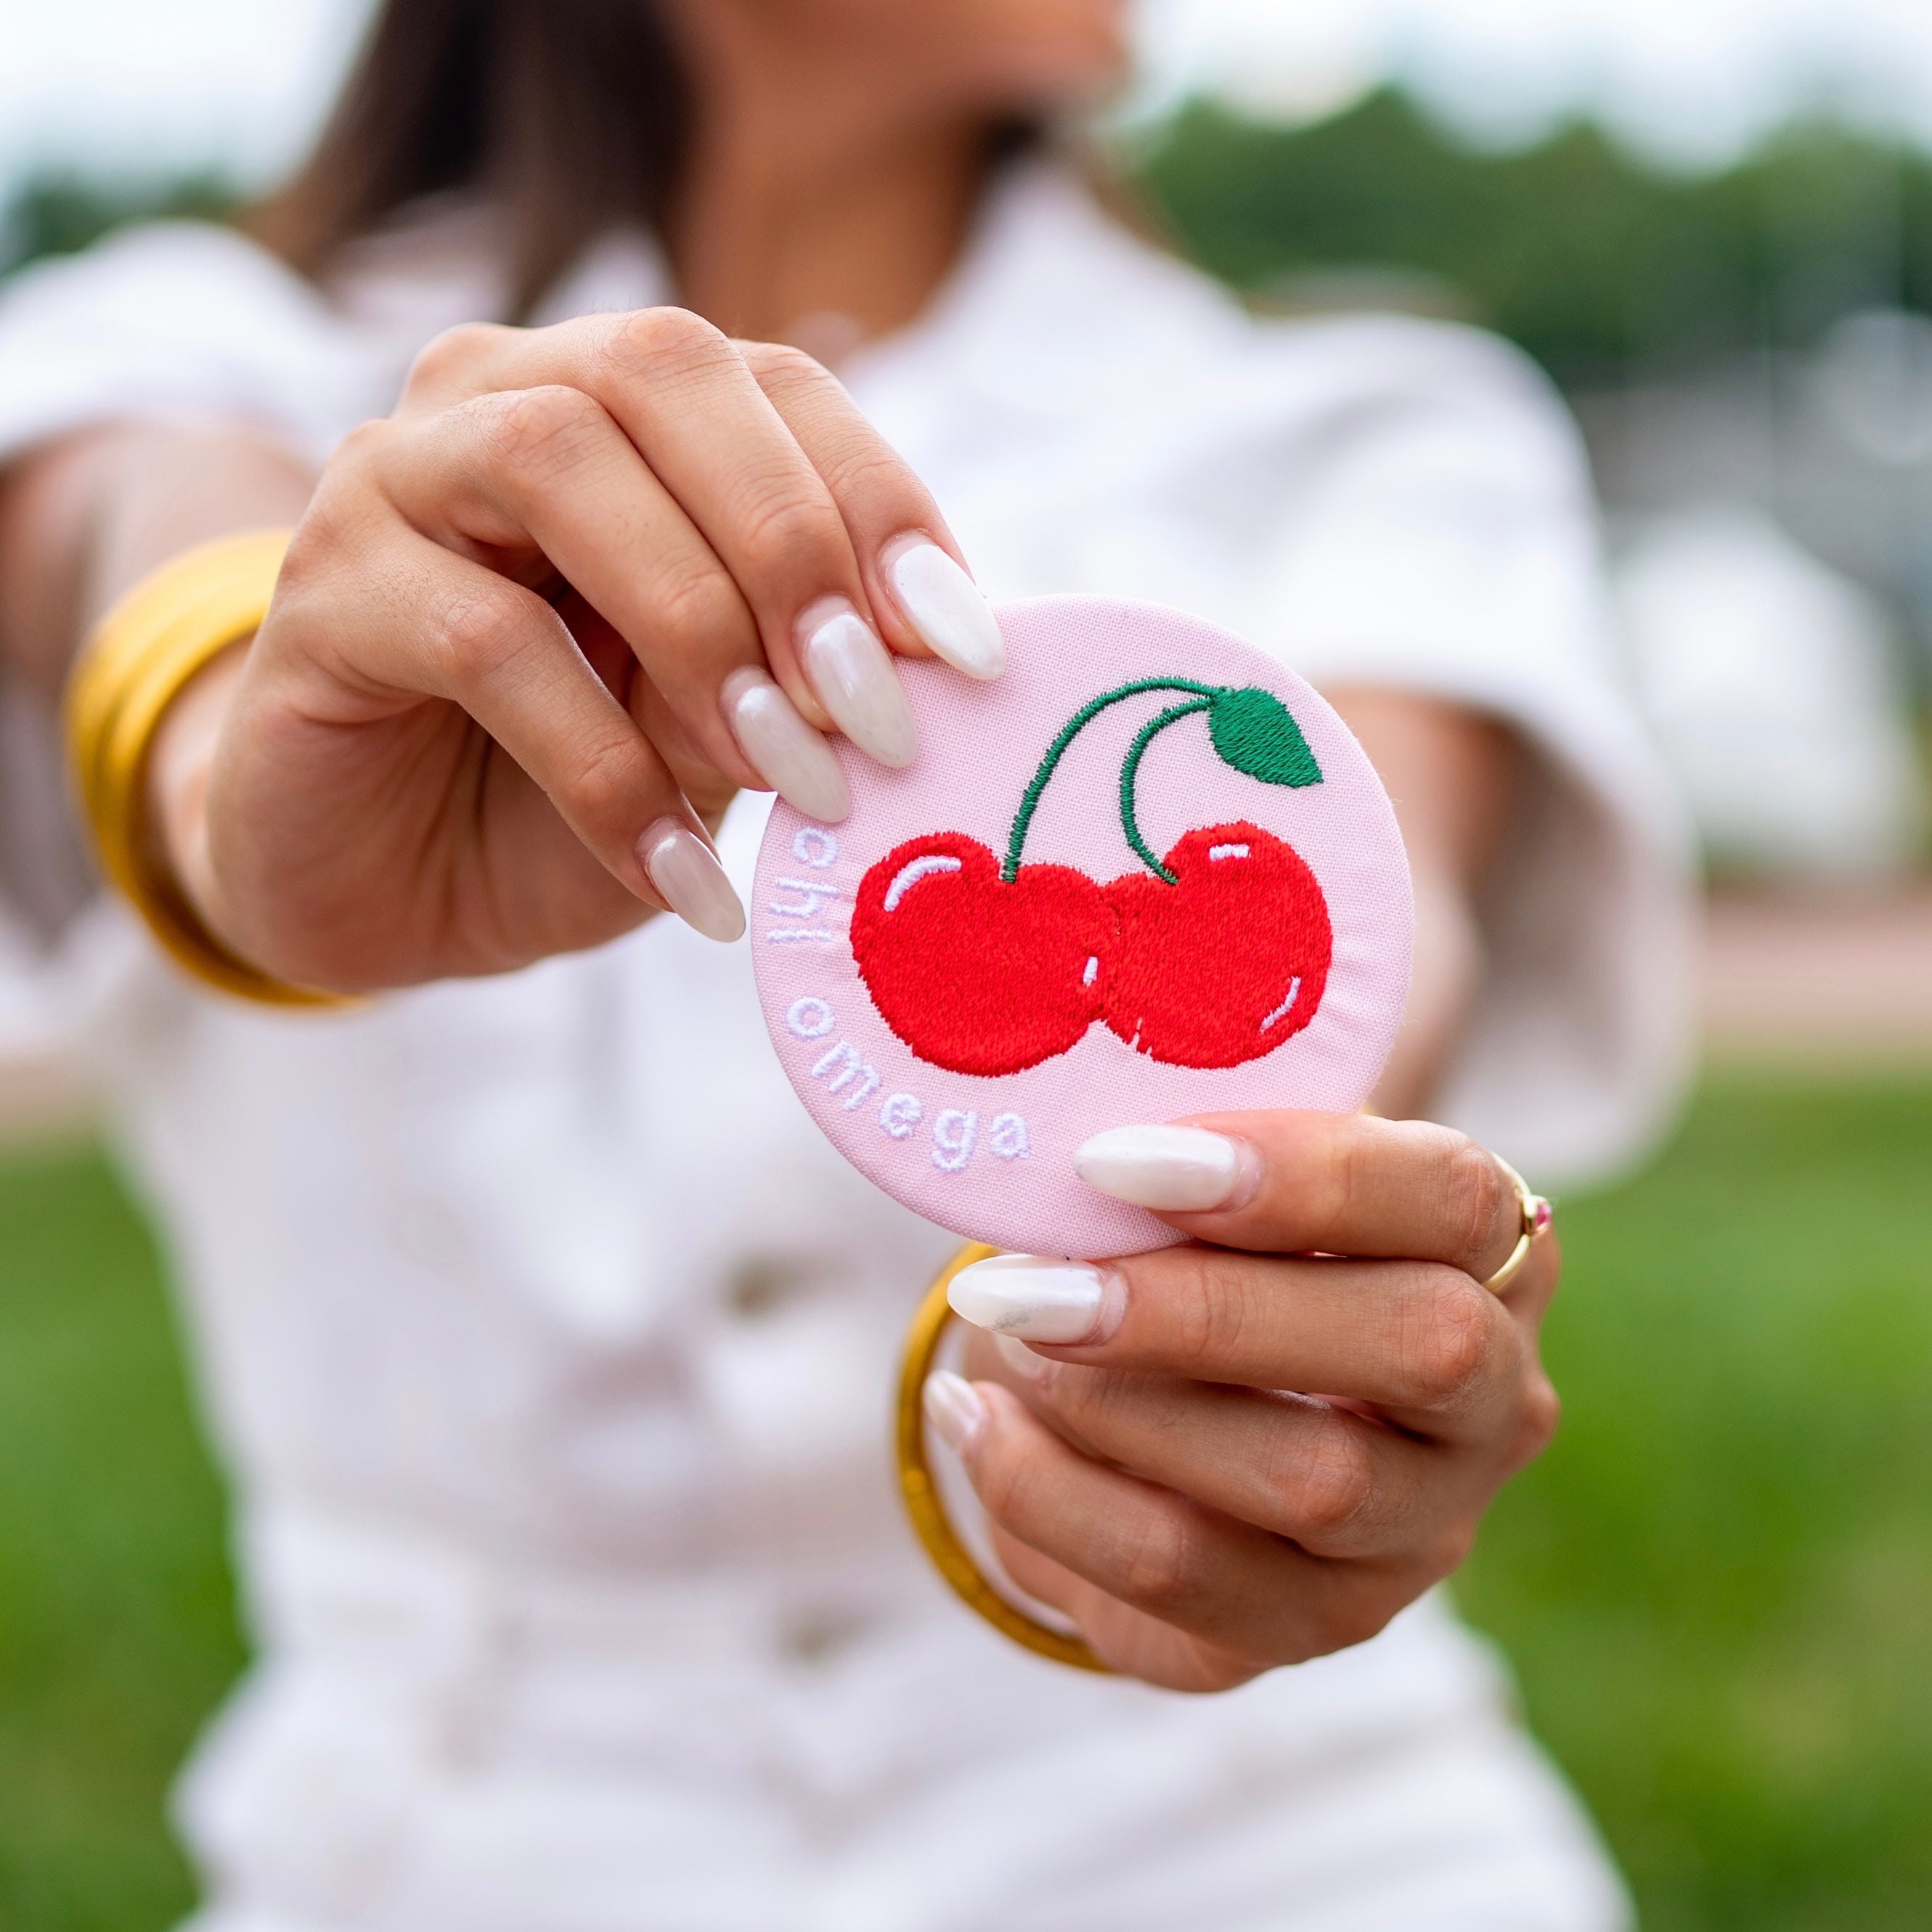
1535	1215
950	1557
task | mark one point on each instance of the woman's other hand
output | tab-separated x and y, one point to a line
534	631
1257	1448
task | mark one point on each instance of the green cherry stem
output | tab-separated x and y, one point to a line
1205	694
1130	771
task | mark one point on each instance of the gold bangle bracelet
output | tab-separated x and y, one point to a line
140	658
950	1557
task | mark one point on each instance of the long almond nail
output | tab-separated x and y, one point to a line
1035	1298
789	755
852	672
685	870
946	608
1172	1170
955	1409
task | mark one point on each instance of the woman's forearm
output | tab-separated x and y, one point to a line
1451	774
84	518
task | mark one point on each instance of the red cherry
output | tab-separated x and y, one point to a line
976	974
1222	966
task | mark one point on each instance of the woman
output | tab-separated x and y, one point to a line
547	1344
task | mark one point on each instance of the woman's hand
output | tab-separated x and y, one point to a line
534	631
1256	1449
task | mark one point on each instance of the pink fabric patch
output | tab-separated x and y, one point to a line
1200	903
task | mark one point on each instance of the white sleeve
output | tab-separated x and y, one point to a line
179	321
1448	544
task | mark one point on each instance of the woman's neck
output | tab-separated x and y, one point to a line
818	208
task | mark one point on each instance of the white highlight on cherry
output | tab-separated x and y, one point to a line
1227	851
1287	1006
910	875
1092	971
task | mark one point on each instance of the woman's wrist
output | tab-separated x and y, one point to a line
153	644
181	757
85	517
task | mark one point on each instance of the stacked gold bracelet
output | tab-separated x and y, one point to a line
141	657
927	1509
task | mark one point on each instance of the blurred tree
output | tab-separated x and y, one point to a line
1592	259
62	213
1596	261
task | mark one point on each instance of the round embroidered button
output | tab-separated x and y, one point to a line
1147	874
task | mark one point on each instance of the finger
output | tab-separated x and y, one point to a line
1128	1640
1418	1340
1332	1480
444	627
709	790
1289	1183
923	597
1224	1582
683	395
472	359
548	469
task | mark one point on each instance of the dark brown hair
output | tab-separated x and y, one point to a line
571	116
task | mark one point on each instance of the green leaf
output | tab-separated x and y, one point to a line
1253	732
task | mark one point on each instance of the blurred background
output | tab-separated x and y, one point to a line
1711	220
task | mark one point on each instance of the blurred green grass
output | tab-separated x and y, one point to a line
117	1636
1717	1587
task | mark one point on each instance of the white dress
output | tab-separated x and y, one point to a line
548	1347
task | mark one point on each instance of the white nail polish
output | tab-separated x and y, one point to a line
852	672
685	870
1022	1360
946	608
1037	1298
787	753
1173	1170
955	1408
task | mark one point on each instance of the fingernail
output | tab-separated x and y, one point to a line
685	870
955	1409
1022	1360
853	674
946	608
1175	1170
789	755
1038	1299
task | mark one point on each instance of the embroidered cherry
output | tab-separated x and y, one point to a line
1224	946
1225	962
975	972
1211	959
